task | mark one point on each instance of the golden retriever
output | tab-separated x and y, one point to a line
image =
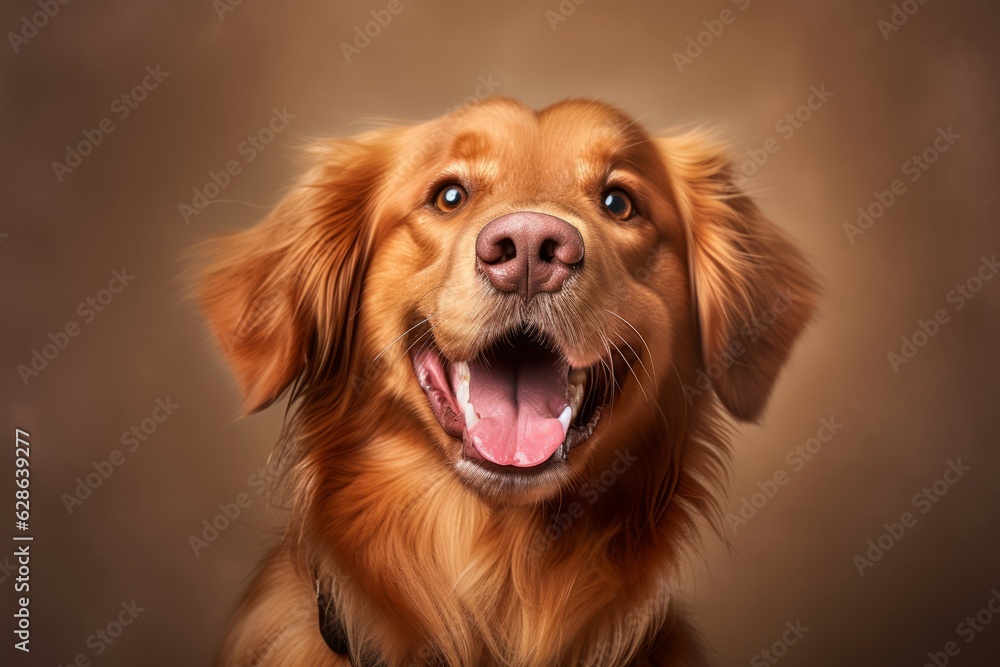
512	342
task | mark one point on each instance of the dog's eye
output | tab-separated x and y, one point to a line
450	198
619	204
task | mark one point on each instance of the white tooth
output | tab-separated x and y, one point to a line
470	416
564	419
463	370
462	393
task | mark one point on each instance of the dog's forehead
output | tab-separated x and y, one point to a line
588	128
572	130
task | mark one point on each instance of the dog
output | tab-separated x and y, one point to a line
513	343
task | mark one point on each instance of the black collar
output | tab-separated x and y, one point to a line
330	626
334	633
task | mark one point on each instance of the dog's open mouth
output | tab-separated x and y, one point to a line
519	402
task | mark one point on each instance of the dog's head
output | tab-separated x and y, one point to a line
531	290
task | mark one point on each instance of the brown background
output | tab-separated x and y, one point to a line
129	540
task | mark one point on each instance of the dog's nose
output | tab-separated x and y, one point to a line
528	252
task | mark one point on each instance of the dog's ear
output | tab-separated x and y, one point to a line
753	291
281	297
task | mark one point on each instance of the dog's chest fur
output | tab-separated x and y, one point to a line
474	586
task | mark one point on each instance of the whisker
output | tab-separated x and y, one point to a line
608	366
632	371
417	340
653	110
397	339
641	338
639	359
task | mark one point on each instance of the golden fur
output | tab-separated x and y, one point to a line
353	268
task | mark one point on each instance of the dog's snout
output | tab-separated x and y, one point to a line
529	252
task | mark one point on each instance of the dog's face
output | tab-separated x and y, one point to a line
525	269
532	291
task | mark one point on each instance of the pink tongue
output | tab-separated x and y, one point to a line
518	406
